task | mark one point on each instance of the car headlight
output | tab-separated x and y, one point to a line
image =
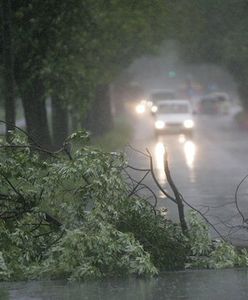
140	109
159	124
188	124
154	108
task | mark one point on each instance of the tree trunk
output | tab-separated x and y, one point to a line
74	122
34	105
59	122
99	119
8	74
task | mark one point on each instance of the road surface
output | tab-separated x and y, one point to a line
206	169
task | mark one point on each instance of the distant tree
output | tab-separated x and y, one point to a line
68	51
214	31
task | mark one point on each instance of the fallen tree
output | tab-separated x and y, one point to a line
77	213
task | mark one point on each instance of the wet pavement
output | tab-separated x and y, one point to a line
190	285
206	169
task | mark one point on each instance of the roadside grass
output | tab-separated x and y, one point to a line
116	139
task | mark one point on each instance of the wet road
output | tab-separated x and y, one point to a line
206	169
188	285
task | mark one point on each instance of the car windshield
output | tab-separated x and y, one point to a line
172	108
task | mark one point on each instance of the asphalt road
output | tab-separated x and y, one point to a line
206	169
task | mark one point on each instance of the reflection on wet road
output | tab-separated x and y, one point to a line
206	168
159	158
189	149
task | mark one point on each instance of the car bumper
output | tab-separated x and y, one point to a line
175	130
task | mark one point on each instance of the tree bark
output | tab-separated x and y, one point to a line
99	119
59	122
34	105
8	72
75	121
178	196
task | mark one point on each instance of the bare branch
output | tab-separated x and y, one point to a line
178	196
12	186
138	151
138	184
138	169
156	181
236	198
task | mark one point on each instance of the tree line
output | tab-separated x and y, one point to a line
214	31
69	52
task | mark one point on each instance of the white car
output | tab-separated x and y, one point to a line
174	116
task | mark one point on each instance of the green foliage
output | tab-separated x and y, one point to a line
65	218
206	253
4	272
223	256
75	46
161	238
95	251
199	237
78	219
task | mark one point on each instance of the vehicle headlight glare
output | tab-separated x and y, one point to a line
159	124
154	108
188	124
140	108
